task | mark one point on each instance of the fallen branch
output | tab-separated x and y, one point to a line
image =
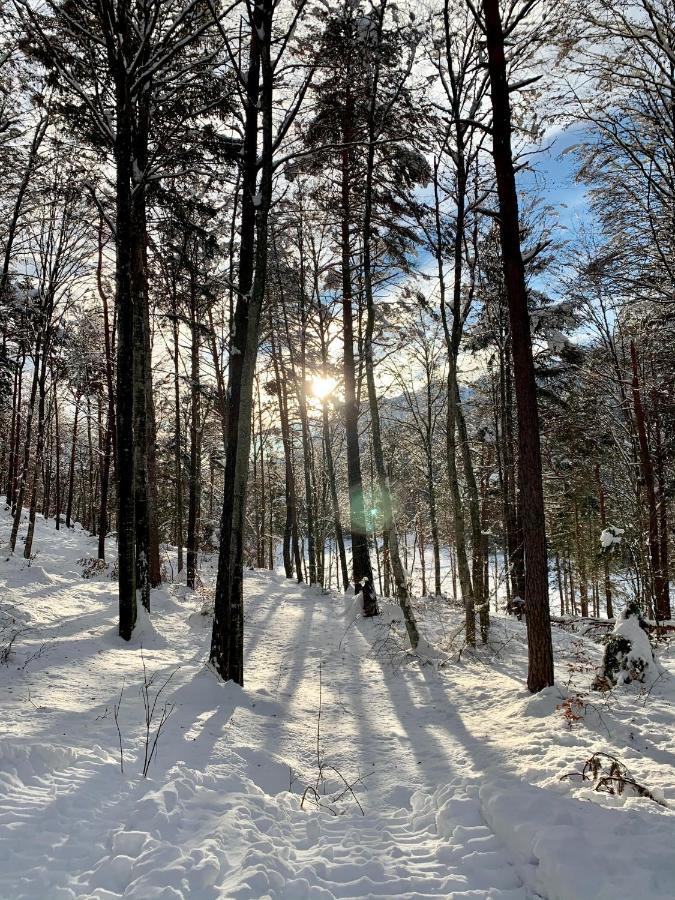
614	781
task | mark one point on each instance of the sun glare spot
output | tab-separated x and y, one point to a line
322	387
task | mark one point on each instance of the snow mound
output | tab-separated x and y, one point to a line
628	653
573	850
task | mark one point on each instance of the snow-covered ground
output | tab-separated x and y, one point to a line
431	777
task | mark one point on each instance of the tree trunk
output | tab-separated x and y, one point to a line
109	445
581	563
660	599
540	650
361	568
15	428
605	559
479	584
57	461
194	496
178	469
126	375
433	521
39	453
227	639
21	489
291	545
71	467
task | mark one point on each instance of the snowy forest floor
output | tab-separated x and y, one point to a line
435	776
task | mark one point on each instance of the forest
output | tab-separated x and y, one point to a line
337	379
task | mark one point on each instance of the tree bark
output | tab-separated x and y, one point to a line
540	650
452	338
605	560
127	378
361	567
23	478
660	599
291	544
227	639
194	496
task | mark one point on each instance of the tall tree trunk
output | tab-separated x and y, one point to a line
540	649
452	335
605	559
581	562
91	486
178	443
433	521
39	452
299	384
513	497
15	428
110	438
291	544
195	449
71	467
260	559
361	568
332	482
141	357
23	478
47	459
662	504
227	639
57	461
660	600
127	377
479	584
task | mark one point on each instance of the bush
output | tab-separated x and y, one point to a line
628	651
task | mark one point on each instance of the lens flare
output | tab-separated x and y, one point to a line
322	387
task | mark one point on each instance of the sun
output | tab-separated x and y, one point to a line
321	387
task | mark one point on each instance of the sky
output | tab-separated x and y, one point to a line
552	178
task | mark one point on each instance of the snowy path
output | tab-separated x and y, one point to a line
219	815
207	823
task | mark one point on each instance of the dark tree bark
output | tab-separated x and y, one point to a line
15	429
361	568
603	525
194	493
141	360
227	639
299	386
57	461
23	477
659	582
291	542
178	443
540	650
581	562
127	322
109	437
71	466
39	445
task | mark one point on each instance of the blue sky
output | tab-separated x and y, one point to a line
552	178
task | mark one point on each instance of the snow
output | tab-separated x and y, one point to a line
569	850
456	767
610	536
640	657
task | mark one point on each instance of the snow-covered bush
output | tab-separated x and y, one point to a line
628	652
610	537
